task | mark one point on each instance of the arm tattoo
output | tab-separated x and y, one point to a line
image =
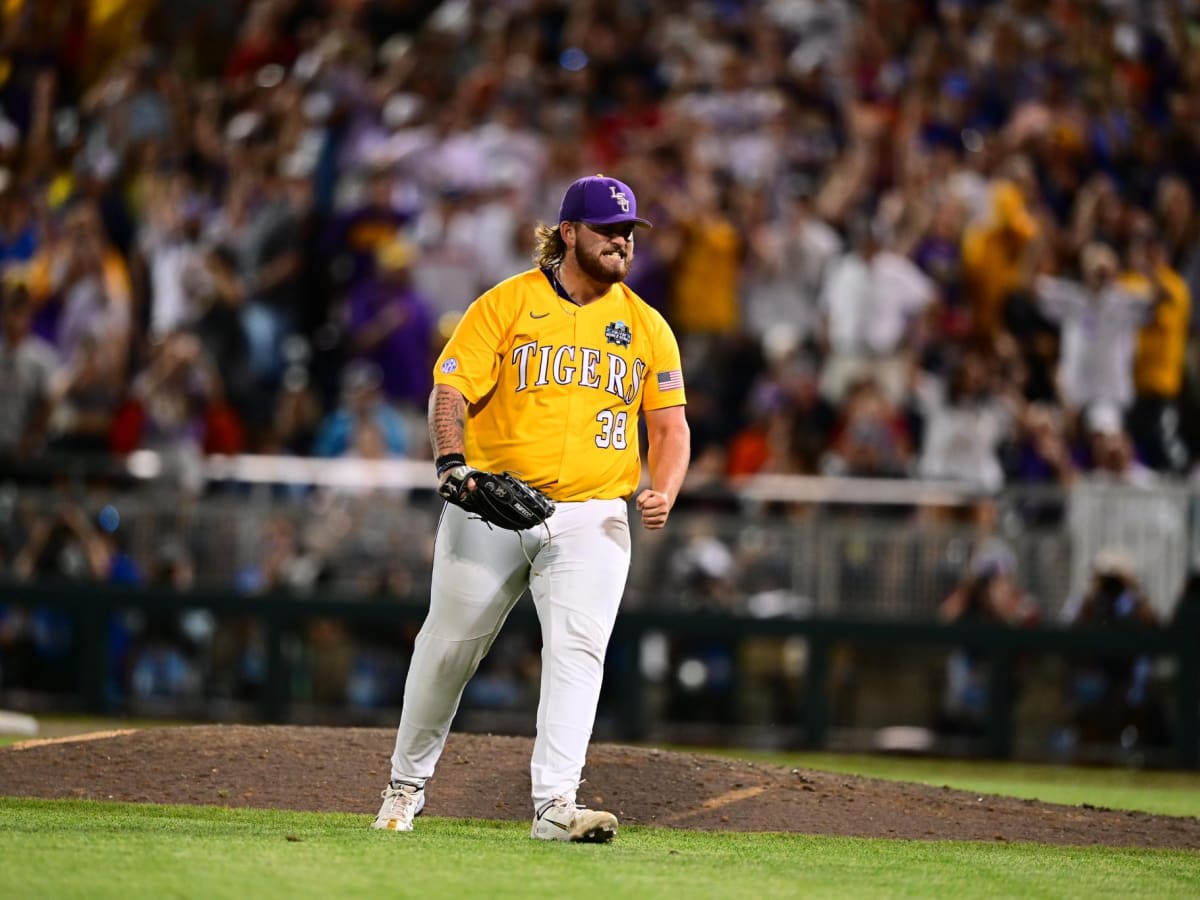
447	420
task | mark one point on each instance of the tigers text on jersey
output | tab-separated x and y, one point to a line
554	389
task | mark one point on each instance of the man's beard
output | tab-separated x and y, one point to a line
593	268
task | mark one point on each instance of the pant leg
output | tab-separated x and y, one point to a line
478	576
578	579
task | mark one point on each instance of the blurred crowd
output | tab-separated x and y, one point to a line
947	239
936	239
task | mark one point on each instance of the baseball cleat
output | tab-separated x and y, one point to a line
561	820
401	804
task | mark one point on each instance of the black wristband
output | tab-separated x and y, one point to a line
449	461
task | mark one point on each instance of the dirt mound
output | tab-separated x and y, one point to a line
484	776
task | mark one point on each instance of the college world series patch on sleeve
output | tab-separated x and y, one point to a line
671	380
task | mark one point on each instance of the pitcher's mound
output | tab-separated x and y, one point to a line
484	776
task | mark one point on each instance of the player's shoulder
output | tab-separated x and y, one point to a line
522	280
513	285
507	297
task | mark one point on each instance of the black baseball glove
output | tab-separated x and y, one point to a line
499	498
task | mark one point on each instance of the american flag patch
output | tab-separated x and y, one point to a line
670	381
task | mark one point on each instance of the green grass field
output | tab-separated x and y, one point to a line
84	849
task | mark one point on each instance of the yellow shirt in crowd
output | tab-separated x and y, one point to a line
1158	359
704	295
993	257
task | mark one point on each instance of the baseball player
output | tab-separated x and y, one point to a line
545	376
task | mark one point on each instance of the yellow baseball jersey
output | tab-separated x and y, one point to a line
554	390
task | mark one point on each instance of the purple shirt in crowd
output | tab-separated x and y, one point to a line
405	354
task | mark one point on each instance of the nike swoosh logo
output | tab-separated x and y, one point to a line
533	315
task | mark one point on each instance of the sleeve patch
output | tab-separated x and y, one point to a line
671	380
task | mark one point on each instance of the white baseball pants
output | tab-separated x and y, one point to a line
580	561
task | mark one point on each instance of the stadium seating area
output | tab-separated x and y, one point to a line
943	240
940	241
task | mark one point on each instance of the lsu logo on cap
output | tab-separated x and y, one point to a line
618	333
619	196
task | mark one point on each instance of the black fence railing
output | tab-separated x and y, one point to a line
92	606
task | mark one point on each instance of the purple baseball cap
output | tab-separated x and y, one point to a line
599	200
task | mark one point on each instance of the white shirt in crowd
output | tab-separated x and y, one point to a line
869	304
1097	334
177	278
782	285
25	373
962	441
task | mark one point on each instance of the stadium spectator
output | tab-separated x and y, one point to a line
1112	697
1099	319
704	277
996	250
1159	354
62	545
787	258
1178	225
391	324
20	231
263	40
765	444
168	257
871	438
1110	450
375	218
966	423
220	295
27	369
988	592
364	423
938	253
790	422
85	279
297	415
871	300
1040	452
85	393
